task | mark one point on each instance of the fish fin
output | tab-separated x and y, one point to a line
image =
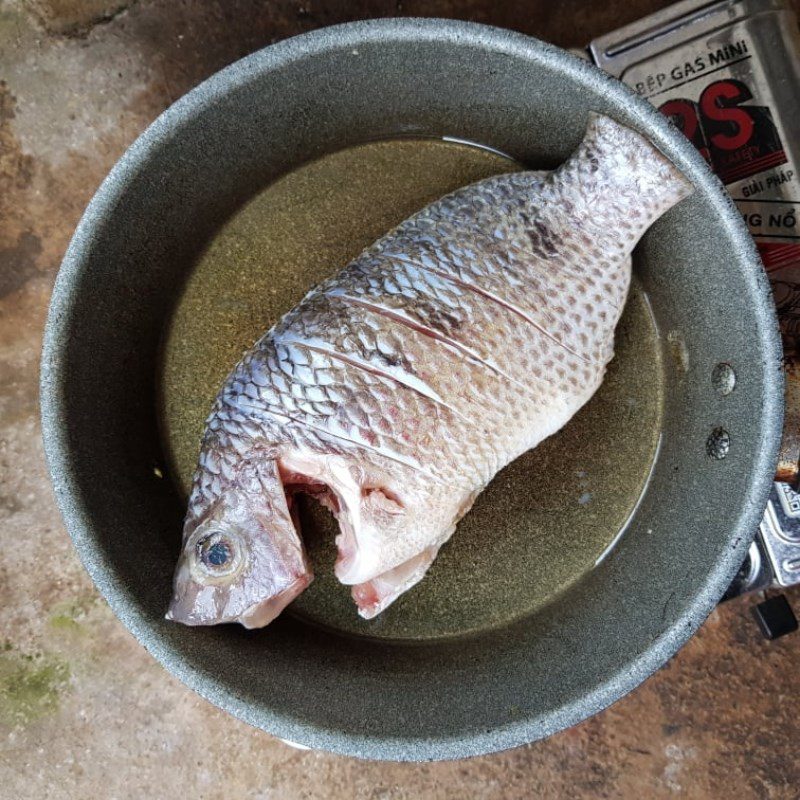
376	595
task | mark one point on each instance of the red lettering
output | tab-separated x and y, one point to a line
713	106
683	114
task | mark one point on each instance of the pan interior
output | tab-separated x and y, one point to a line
543	522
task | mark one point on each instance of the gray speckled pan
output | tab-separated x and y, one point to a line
499	687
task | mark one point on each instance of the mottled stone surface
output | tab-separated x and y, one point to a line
84	711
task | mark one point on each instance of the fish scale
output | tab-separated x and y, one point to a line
501	272
359	394
463	388
398	387
466	319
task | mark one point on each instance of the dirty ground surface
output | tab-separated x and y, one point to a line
84	710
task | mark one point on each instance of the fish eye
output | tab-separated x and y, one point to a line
218	553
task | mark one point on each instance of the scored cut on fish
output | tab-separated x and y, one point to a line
399	387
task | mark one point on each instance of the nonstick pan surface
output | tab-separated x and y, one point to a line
473	690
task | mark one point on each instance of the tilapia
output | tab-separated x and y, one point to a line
397	388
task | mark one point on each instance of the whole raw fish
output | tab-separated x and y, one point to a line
397	388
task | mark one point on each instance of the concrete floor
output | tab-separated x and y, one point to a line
84	710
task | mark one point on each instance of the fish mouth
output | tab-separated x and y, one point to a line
264	611
257	615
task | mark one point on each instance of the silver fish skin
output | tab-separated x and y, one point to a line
397	388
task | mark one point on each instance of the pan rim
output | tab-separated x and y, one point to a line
125	604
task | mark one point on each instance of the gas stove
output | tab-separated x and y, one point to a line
727	73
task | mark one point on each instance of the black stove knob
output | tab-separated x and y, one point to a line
775	617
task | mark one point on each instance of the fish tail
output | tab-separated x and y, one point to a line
619	181
636	163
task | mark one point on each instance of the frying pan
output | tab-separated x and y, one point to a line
396	699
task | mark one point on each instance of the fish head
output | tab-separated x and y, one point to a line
242	559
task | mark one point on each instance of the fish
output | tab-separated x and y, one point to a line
400	386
